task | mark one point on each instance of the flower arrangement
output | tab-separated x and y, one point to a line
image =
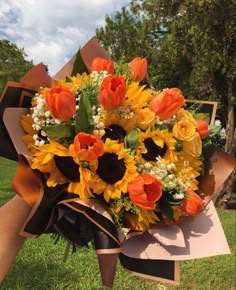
107	135
111	161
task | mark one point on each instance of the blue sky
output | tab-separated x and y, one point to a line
50	31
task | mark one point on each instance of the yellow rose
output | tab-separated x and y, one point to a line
145	118
193	147
183	114
184	130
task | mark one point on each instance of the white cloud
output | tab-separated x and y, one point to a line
51	31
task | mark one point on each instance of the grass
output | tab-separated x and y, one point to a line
39	264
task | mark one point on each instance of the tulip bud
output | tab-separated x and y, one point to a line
166	103
138	68
192	203
102	64
87	146
202	128
145	190
112	91
61	103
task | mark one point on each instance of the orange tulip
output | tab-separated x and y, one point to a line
145	190
87	146
138	68
192	203
61	103
112	91
166	103
102	64
202	128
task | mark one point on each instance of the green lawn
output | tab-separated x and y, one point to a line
39	264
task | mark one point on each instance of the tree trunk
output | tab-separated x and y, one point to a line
225	193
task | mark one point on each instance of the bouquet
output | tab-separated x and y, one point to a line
111	156
108	137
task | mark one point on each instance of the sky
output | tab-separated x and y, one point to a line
51	31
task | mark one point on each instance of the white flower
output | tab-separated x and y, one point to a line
178	196
217	122
223	133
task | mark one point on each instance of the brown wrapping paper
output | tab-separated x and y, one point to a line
218	165
20	95
88	52
200	234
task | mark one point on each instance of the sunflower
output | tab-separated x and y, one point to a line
81	187
26	123
113	171
137	97
123	118
115	124
157	143
140	221
188	168
61	166
75	83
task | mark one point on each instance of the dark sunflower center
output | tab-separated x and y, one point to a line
114	132
68	167
153	150
110	169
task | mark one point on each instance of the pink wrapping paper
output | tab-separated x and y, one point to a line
203	237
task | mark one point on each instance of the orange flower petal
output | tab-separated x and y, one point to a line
192	203
166	103
202	128
112	91
144	191
87	146
138	68
61	103
102	64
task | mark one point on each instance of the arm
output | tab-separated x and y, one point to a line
12	217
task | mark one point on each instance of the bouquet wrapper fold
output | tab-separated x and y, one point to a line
19	94
82	60
152	254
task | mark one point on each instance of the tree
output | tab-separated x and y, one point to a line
188	44
138	30
205	37
13	62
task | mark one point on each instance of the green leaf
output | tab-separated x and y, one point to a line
202	116
79	65
132	139
83	118
62	133
214	130
166	209
68	80
174	202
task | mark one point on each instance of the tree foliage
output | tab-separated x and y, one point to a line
188	44
13	62
137	30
